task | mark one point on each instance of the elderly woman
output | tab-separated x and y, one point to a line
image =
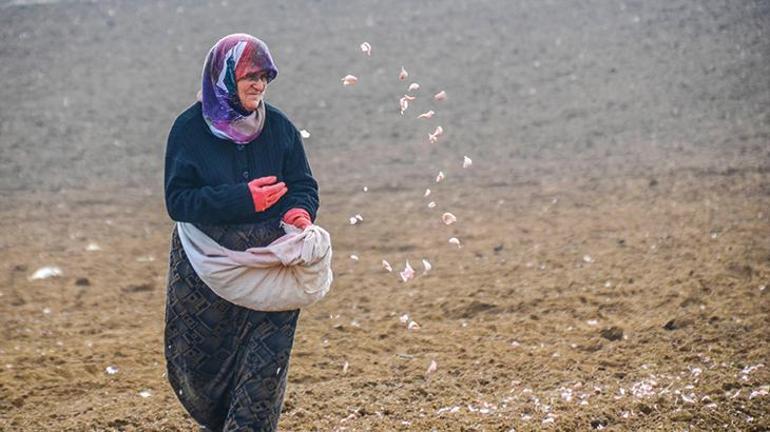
235	168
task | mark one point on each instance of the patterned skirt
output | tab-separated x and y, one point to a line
227	364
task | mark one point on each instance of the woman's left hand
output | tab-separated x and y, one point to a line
298	217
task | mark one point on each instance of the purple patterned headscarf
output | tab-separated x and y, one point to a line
229	60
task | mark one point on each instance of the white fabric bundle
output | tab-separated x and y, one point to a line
292	272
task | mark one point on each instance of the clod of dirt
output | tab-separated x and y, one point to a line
591	347
82	281
598	424
644	408
20	268
653	182
498	248
144	287
613	333
677	323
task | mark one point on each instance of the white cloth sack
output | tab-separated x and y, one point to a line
292	272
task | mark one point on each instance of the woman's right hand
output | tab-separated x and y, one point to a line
265	192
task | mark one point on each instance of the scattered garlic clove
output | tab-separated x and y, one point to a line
402	76
433	138
367	48
407	273
46	272
427	265
349	80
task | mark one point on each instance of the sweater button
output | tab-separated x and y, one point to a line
246	175
240	147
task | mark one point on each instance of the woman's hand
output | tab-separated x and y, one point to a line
298	217
264	193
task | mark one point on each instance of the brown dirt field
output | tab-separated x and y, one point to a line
615	221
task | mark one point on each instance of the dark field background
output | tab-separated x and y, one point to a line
616	244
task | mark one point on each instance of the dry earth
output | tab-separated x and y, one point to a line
614	223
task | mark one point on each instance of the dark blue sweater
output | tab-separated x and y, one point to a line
206	177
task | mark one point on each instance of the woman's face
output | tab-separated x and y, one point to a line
251	89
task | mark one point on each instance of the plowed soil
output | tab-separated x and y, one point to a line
614	226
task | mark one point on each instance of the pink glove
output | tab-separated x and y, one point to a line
298	217
264	193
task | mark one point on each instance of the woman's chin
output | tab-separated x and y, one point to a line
252	105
